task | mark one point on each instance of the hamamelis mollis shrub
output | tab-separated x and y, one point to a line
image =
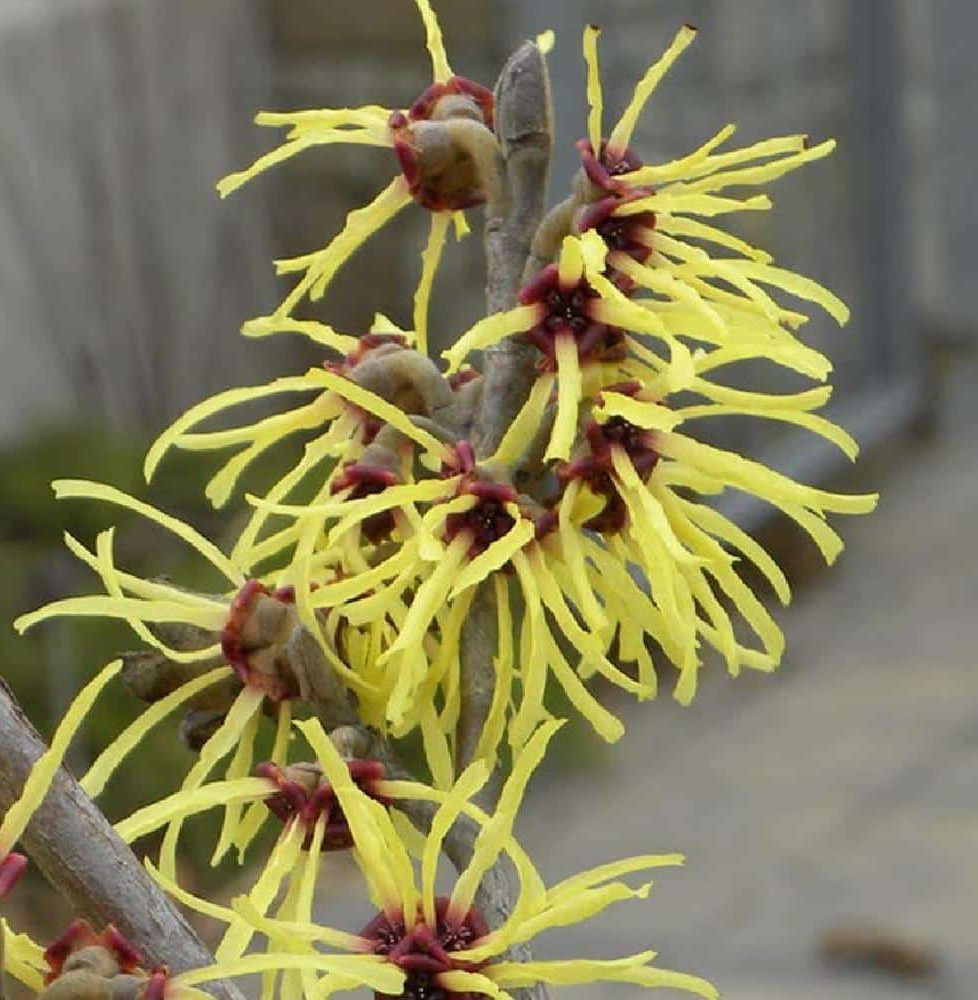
343	623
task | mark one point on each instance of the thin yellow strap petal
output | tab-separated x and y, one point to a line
527	423
678	226
369	970
569	395
115	753
613	869
22	958
239	767
360	136
247	703
570	262
385	411
436	46
190	802
841	438
634	969
46	766
284	858
494	558
594	97
436	749
257	812
640	412
755	478
217	404
101	606
489	331
706	205
677	168
760	174
430	257
320	267
545	41
300	931
318	333
469	783
796	284
182	896
493	836
475	984
716	524
621	135
377	861
65	489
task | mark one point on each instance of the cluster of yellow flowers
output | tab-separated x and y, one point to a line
613	556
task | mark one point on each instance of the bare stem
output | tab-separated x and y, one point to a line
524	126
79	853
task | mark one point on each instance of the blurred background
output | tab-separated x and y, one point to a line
830	813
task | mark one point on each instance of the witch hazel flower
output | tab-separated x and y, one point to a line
250	629
647	215
448	160
303	797
475	527
442	944
637	481
343	418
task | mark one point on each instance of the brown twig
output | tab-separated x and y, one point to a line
524	125
79	853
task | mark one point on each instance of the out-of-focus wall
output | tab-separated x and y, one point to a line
940	97
123	278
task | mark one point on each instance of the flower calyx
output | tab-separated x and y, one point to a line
84	965
12	867
304	795
446	146
255	637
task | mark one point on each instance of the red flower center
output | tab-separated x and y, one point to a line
603	168
424	952
620	233
305	795
596	467
569	311
368	480
488	520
